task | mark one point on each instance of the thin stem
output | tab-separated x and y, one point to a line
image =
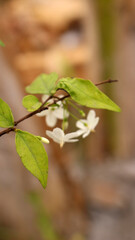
73	116
7	130
74	106
107	81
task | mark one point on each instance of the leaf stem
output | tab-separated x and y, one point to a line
73	116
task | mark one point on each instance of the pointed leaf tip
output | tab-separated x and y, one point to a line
43	84
33	155
86	93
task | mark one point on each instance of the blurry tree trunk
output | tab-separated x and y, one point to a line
125	66
106	24
103	142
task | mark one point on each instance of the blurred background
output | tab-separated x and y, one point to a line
91	185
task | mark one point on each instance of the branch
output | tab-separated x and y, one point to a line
42	108
7	130
107	81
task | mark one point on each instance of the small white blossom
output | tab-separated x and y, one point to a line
53	113
86	126
60	137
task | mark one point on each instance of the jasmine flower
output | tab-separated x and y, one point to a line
86	126
60	137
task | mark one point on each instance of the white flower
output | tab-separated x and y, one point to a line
86	126
60	137
53	113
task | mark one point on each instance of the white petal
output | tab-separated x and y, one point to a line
52	135
51	119
42	114
59	113
81	124
81	131
92	120
69	136
86	133
72	140
59	133
91	115
95	122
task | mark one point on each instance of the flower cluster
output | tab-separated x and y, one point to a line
85	126
53	113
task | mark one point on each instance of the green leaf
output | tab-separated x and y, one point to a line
31	103
2	44
33	155
43	84
86	93
6	116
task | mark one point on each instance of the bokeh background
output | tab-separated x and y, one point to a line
91	185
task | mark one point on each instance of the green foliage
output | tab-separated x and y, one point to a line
2	44
6	116
86	93
43	84
30	147
31	103
33	155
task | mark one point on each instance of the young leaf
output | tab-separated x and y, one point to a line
31	103
86	93
6	116
2	44
33	155
43	84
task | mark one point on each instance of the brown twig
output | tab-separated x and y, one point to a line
7	130
34	112
107	81
42	107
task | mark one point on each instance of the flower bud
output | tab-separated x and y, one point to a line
43	139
